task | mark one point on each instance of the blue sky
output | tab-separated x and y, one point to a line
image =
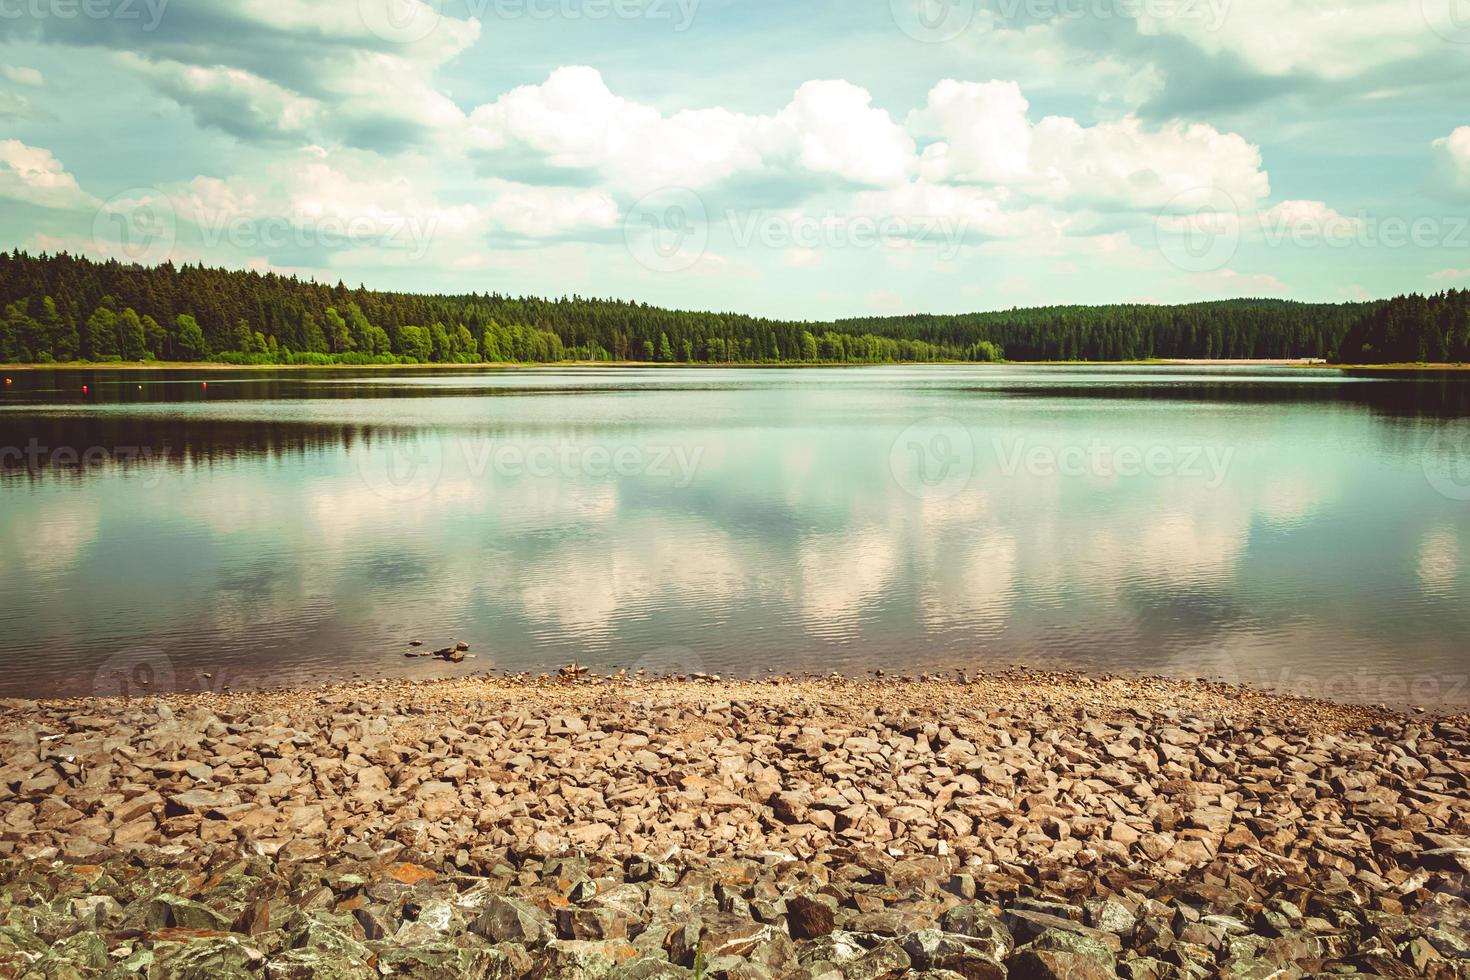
812	159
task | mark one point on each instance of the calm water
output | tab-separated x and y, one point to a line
1297	528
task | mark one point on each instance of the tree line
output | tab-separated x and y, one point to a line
69	308
1412	329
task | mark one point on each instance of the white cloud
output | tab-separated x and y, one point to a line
573	121
267	71
546	212
983	135
1450	275
33	175
1307	223
837	131
21	75
1333	41
1452	161
232	99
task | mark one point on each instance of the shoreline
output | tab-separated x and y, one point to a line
953	684
1025	823
504	366
1018	824
1108	694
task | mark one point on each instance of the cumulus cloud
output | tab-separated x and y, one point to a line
1452	161
1166	60
232	99
266	71
983	134
574	123
31	174
1304	37
986	169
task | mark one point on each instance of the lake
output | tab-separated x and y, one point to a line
1302	529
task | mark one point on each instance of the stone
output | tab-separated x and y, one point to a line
808	917
505	919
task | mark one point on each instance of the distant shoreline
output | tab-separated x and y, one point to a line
502	366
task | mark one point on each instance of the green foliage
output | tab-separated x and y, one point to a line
1411	329
189	344
99	335
131	343
216	312
155	337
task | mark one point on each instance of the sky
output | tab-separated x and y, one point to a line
793	158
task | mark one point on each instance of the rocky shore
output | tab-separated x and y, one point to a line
1017	825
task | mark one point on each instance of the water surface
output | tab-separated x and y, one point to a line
1303	529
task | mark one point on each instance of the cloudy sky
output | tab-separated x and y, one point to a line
809	158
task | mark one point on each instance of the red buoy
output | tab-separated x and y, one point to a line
84	389
7	381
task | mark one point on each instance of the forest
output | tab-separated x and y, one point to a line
61	308
1412	329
